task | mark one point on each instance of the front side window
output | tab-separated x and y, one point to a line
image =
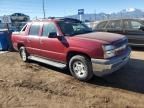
73	28
48	28
34	29
135	24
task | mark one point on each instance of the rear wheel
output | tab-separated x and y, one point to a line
81	67
23	54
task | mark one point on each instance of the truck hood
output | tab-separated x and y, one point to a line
101	36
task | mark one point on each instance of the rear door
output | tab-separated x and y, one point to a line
33	38
133	32
114	26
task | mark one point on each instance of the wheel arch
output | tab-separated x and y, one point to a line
19	45
70	54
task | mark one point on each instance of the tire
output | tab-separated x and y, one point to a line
23	54
81	68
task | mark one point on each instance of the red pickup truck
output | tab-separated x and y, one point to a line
65	42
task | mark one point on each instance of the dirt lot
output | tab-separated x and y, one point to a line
35	85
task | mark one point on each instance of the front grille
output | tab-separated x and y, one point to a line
121	46
120	43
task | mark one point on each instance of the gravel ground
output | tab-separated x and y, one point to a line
35	85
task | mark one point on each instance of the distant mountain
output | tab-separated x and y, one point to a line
125	13
130	10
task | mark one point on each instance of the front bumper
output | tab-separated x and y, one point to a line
106	66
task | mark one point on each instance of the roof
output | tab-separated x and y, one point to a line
121	19
57	19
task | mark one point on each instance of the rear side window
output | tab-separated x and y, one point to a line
126	24
48	28
34	29
101	25
114	24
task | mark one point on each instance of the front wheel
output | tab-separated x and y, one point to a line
81	67
23	54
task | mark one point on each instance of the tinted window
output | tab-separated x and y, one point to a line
48	28
101	25
114	24
34	30
73	28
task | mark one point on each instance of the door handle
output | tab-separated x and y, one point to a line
29	40
41	41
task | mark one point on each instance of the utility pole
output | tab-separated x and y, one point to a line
95	15
43	8
121	15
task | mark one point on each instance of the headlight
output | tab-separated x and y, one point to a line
109	51
108	47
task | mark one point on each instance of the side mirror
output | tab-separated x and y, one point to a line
52	35
142	27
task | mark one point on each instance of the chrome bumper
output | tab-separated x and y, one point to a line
102	67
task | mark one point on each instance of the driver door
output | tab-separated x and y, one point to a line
133	31
51	47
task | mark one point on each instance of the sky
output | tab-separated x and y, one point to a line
60	8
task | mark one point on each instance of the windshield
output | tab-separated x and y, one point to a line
73	28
